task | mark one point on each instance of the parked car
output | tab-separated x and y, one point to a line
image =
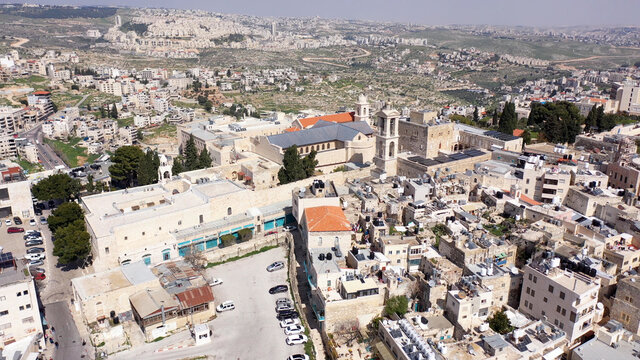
288	315
32	222
32	232
278	289
283	301
43	220
38	256
36	270
17	220
37	211
289	322
37	262
13	230
30	243
35	250
275	266
226	306
215	282
39	276
271	232
289	228
298	357
8	222
283	307
296	339
293	330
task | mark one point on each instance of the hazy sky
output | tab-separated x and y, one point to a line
441	12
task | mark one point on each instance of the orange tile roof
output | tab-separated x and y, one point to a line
291	129
518	132
326	218
529	200
336	118
41	93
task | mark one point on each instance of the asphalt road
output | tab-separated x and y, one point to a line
70	343
249	332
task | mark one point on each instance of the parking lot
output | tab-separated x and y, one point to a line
14	243
251	331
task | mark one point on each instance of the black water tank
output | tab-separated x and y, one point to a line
116	320
354	250
379	214
367	219
112	314
329	256
321	257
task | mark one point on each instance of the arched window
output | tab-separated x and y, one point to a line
229	211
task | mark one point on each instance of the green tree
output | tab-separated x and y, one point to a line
526	137
190	155
476	116
197	85
75	87
508	119
64	215
292	168
592	119
177	166
103	112
227	240
397	305
147	172
208	105
500	323
309	163
245	235
124	169
72	243
494	119
90	187
114	111
139	134
56	187
204	159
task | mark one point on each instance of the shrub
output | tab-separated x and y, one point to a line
228	239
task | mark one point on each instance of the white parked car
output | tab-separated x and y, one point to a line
8	222
32	222
289	228
36	256
226	306
293	330
289	322
283	307
298	357
215	282
296	339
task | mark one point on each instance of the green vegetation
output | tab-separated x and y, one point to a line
158	338
28	166
125	122
560	122
228	240
500	323
235	258
191	159
164	130
131	166
100	345
397	305
60	12
139	29
294	167
72	154
72	241
508	119
56	187
245	235
228	39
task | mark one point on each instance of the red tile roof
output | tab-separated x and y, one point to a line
529	200
41	93
291	129
326	218
336	118
195	297
518	132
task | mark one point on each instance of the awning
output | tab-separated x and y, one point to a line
501	255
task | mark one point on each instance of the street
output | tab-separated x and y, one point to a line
70	346
251	331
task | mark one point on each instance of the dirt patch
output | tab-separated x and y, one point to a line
82	160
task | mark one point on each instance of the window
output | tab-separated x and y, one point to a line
572	317
530	276
564	312
328	283
25	292
3	298
21	308
27	320
533	293
625	317
28	306
126	237
531	306
528	290
143	233
543	313
398	261
561	295
5	312
561	325
179	222
201	219
551	289
544	299
18	294
229	211
535	279
106	250
526	303
5	326
558	309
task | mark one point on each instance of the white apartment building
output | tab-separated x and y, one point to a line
19	312
469	306
110	87
627	95
566	299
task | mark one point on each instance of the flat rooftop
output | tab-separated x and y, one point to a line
13	271
595	349
353	286
91	285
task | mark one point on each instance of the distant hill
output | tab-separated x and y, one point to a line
57	12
